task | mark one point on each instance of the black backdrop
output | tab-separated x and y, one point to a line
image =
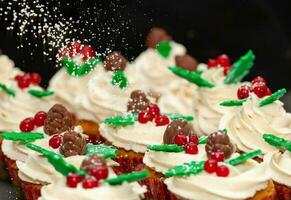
206	28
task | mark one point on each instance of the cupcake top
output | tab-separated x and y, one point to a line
231	180
152	63
252	119
136	131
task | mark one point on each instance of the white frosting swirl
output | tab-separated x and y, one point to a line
242	183
279	165
59	190
249	122
207	110
7	69
153	68
135	137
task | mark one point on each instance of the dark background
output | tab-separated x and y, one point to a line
206	28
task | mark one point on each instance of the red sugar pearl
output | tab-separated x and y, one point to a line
73	180
191	148
144	117
194	139
258	79
180	139
35	78
90	182
87	52
223	60
27	125
153	109
218	156
39	118
212	63
162	120
210	166
100	172
222	171
243	92
18	77
261	90
56	141
23	83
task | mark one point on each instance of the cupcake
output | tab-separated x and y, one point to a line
255	116
236	178
42	125
152	64
279	163
132	133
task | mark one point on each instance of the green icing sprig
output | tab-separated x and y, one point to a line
57	161
6	89
166	148
74	69
278	142
240	68
164	48
120	120
119	79
22	136
186	169
273	97
233	102
203	140
130	177
101	150
191	77
244	157
40	93
178	116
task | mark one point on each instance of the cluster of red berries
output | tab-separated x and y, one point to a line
212	165
152	113
76	48
91	181
56	141
221	61
25	80
28	124
190	143
259	87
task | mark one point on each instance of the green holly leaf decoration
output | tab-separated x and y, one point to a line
203	140
101	150
24	137
119	79
240	68
186	169
6	89
120	120
173	116
57	161
233	102
166	148
278	142
192	77
129	178
40	93
244	157
273	97
164	48
74	69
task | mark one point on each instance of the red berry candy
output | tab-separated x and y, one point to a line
162	120
27	76
39	118
56	141
100	172
153	109
259	79
73	180
243	92
180	139
18	77
23	83
223	60
191	148
261	90
144	117
210	166
222	171
62	53
35	78
194	139
87	52
218	156
90	182
75	47
212	63
27	125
